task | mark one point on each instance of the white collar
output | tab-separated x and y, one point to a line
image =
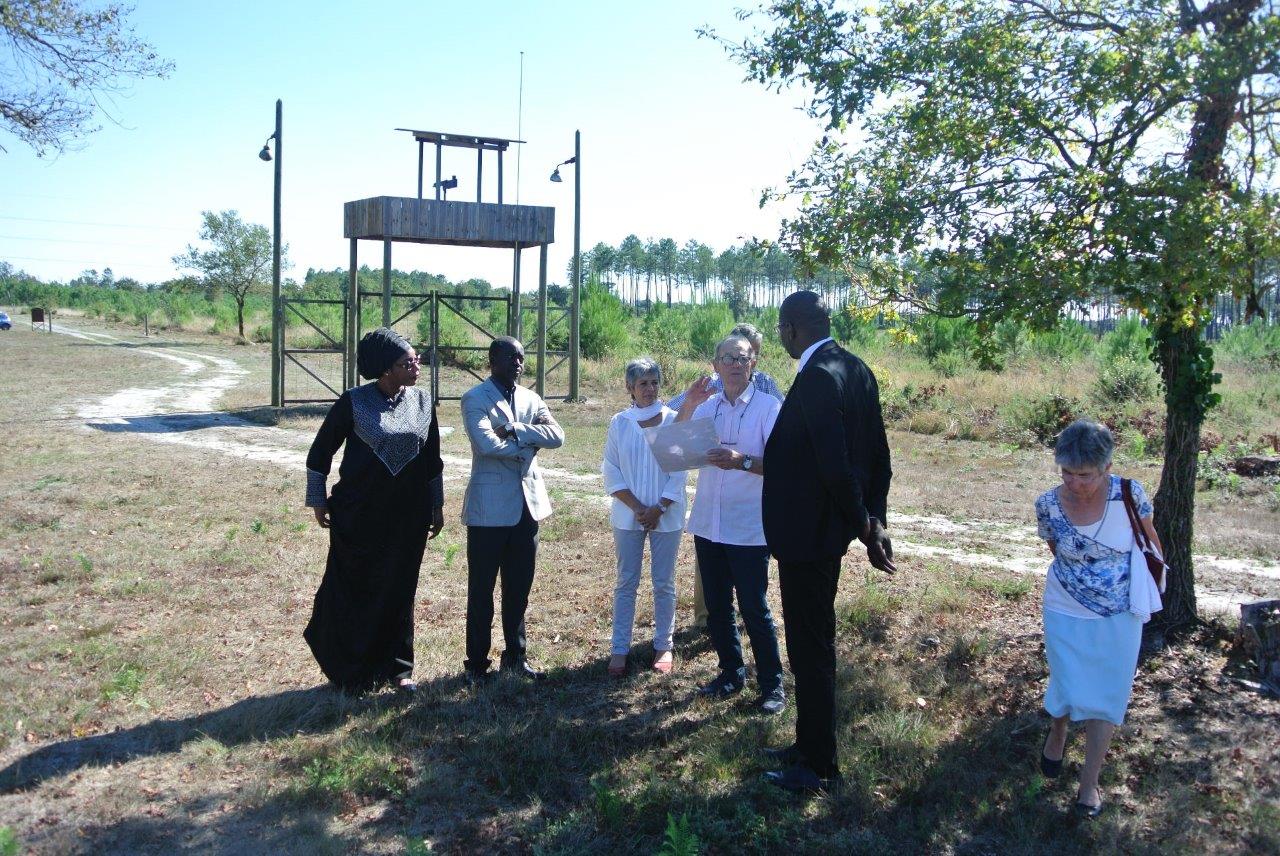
808	352
744	397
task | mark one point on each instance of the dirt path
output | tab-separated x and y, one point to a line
183	413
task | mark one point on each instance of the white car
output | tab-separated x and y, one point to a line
5	323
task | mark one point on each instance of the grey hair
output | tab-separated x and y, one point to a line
1084	444
642	367
732	337
751	333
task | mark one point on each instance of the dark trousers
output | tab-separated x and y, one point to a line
509	552
808	611
725	568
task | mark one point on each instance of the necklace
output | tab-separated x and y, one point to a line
743	415
1106	506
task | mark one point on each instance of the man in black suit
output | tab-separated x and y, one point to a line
826	482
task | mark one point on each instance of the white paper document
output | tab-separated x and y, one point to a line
682	445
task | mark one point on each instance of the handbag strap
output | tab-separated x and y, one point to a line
1135	521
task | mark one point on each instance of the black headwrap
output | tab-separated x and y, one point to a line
378	351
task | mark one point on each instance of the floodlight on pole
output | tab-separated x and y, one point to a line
574	319
277	316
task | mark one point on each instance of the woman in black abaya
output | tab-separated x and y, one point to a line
388	501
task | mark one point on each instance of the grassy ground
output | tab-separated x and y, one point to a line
158	696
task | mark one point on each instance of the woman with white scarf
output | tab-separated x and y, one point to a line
1097	596
647	504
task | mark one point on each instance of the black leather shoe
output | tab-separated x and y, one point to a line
802	780
725	685
476	679
522	669
788	756
1048	768
407	686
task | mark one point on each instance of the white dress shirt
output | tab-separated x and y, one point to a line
629	463
808	352
726	506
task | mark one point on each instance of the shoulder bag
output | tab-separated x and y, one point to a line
1155	562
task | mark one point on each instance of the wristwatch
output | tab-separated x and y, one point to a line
746	462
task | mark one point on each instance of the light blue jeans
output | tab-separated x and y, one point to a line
663	547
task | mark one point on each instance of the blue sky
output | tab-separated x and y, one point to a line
675	143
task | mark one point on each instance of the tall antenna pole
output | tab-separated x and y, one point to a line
519	124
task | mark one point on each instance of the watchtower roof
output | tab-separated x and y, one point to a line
462	141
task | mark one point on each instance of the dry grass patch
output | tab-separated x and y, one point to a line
174	705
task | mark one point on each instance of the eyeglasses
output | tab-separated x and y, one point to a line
728	360
408	363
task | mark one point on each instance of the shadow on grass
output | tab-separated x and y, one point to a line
471	757
256	718
581	763
174	423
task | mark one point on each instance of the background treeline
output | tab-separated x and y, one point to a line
929	367
645	273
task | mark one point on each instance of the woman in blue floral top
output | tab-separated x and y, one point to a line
1097	596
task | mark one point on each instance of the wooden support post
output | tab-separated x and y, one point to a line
386	283
479	171
420	145
542	317
353	317
435	346
513	318
438	150
499	176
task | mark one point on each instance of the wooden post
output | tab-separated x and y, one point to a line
353	317
386	283
499	176
479	170
542	317
420	145
435	346
438	150
513	322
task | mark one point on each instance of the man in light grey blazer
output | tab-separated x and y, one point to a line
507	425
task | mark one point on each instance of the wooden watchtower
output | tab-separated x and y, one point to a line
439	220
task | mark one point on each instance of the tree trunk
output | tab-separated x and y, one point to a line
240	315
1175	499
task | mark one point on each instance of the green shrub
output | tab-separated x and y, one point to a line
261	334
1256	341
664	334
708	324
1127	378
1011	338
1129	338
178	312
1068	341
937	335
950	364
603	329
1041	419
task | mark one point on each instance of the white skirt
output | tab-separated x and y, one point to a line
1091	665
